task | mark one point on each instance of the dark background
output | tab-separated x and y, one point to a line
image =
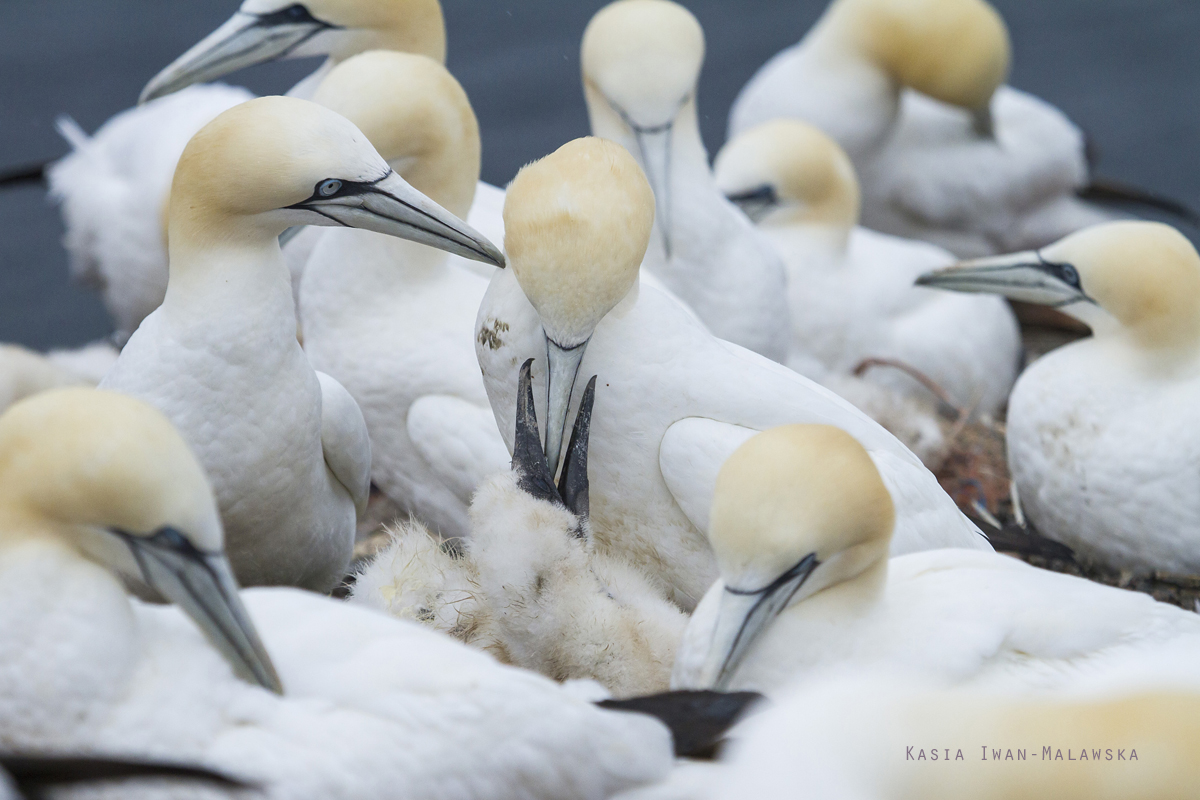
1127	71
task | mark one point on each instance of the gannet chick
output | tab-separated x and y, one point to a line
24	372
641	61
677	400
839	737
285	446
94	485
850	289
914	92
801	522
1100	442
392	320
114	186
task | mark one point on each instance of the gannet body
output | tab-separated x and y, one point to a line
285	447
641	61
675	401
850	288
914	93
24	372
371	707
528	585
393	321
807	586
114	185
1100	442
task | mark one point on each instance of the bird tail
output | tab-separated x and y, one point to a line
1103	191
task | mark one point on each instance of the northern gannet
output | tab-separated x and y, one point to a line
114	186
529	586
914	92
801	524
641	61
24	372
285	447
96	487
392	320
675	400
850	288
1100	440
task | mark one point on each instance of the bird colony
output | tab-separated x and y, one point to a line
659	435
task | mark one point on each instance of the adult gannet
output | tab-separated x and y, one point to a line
529	586
1100	440
393	321
850	288
285	446
801	522
914	92
675	399
95	485
641	61
114	186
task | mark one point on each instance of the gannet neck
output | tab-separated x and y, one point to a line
788	173
417	116
956	51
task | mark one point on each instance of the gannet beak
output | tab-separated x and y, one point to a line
573	484
755	203
289	234
654	145
245	39
389	205
983	123
1025	276
564	368
202	584
742	616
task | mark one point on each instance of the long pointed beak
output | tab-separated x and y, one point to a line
389	205
573	484
243	40
1024	276
528	460
742	616
564	368
654	145
202	584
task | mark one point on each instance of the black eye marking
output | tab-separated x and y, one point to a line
329	187
333	188
295	14
1063	271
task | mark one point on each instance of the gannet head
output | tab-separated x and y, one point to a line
416	115
957	51
786	172
576	227
796	509
275	162
641	60
109	475
266	30
1140	278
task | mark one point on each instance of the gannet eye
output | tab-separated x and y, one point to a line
1069	274
329	188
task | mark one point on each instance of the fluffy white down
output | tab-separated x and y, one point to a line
974	619
658	366
935	179
1104	455
114	187
374	707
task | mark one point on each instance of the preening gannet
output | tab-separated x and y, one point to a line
95	486
801	522
674	401
850	288
641	61
529	586
393	321
873	737
285	446
914	92
1100	436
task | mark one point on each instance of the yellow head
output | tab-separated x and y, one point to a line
956	51
787	172
418	118
576	226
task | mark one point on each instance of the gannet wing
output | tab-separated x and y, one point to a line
690	456
458	440
344	440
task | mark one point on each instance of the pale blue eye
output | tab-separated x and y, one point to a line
329	188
